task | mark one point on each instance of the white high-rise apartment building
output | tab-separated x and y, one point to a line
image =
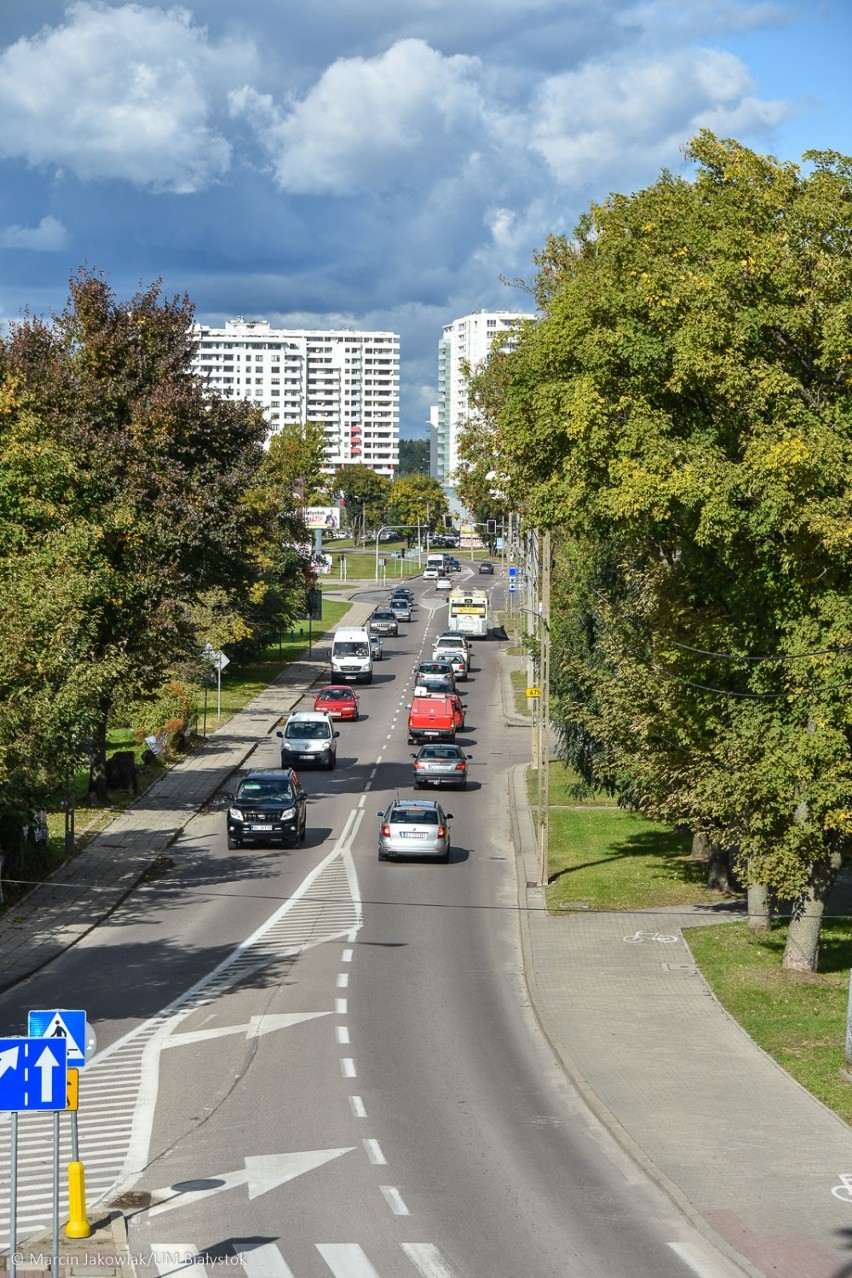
347	381
464	341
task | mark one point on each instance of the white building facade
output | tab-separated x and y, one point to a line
466	341
347	381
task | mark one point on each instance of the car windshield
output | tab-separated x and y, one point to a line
384	615
306	731
336	694
349	648
269	791
434	667
413	816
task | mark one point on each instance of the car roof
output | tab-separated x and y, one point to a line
310	716
266	774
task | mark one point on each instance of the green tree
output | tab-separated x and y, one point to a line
413	457
292	463
681	413
116	466
416	500
365	494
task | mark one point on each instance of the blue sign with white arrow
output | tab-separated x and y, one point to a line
59	1022
33	1073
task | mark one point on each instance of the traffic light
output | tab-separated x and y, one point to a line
448	523
491	527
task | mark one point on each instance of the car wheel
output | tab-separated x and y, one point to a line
233	843
369	678
302	829
382	856
332	760
463	784
446	857
355	716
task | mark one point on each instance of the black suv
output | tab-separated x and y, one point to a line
268	807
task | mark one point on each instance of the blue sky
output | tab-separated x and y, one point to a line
372	163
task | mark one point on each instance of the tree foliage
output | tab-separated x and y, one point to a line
122	499
413	457
682	415
416	500
365	495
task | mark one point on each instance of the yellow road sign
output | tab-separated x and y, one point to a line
533	692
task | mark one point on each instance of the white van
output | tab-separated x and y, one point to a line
308	737
435	567
351	656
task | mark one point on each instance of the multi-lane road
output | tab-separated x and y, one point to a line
315	1065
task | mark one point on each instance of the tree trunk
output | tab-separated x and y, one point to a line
98	769
700	846
801	953
759	919
717	870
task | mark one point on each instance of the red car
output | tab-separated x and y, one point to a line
338	701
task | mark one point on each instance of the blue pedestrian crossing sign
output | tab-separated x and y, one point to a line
33	1073
57	1023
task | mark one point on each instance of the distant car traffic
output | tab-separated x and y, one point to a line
383	622
338	701
486	566
414	828
268	807
440	764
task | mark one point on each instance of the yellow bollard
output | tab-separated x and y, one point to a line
78	1226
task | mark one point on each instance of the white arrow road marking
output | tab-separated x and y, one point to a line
9	1059
47	1063
260	1175
257	1026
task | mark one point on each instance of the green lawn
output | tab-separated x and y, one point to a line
798	1018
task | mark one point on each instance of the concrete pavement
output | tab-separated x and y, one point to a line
748	1155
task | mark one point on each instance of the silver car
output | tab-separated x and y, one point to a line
414	828
440	764
400	607
457	658
376	646
383	622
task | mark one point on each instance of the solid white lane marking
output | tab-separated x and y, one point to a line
699	1263
340	1006
342	1034
347	1066
347	1260
394	1200
172	1258
343	980
428	1260
357	1106
264	1261
374	1152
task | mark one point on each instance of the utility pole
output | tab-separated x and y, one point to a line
544	715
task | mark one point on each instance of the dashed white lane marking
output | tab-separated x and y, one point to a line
346	956
341	1033
357	1106
394	1200
374	1152
428	1260
347	1260
342	980
264	1261
347	1066
340	1006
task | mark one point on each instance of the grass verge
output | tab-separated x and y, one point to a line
799	1018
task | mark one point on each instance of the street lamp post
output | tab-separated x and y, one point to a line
541	545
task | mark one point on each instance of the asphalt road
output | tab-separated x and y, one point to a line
313	1063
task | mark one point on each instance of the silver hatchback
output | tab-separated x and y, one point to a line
439	764
414	828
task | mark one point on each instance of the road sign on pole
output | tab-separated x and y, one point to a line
33	1073
59	1022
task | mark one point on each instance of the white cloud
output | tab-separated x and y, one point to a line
126	92
609	120
48	237
371	123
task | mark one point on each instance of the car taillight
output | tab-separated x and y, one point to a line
459	767
441	831
385	831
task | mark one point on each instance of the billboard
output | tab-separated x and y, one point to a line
323	517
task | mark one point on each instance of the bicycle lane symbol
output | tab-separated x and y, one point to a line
843	1191
660	937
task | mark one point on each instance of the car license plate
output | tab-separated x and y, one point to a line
413	834
261	827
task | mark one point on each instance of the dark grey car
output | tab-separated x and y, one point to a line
440	764
384	622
